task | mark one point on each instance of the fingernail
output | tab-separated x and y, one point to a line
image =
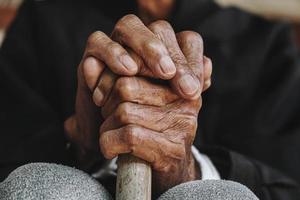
188	84
167	65
98	97
129	63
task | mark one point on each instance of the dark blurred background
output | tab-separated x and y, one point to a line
8	9
288	10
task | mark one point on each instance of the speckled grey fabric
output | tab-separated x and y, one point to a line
41	181
51	181
209	190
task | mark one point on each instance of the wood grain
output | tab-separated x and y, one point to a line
134	179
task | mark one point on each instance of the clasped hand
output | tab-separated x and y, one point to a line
139	92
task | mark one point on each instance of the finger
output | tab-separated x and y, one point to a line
131	31
159	119
191	45
104	87
100	46
185	82
126	94
146	144
131	113
138	90
92	69
207	73
143	69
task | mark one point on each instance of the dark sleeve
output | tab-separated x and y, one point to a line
265	182
253	106
30	129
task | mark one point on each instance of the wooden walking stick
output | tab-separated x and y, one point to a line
133	179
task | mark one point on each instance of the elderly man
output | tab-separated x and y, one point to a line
140	83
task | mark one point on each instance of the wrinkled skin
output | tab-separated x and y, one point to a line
153	120
149	121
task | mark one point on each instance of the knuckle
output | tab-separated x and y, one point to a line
209	61
192	36
190	124
179	59
178	152
125	88
128	18
183	70
125	20
131	135
152	44
193	107
198	105
209	67
195	63
104	146
123	113
160	25
207	84
95	37
114	49
121	82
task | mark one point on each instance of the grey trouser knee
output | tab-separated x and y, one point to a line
51	181
209	190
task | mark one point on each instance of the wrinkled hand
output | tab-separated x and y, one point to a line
148	120
150	51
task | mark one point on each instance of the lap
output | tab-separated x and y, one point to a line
209	190
51	181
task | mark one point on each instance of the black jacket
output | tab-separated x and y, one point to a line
252	107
